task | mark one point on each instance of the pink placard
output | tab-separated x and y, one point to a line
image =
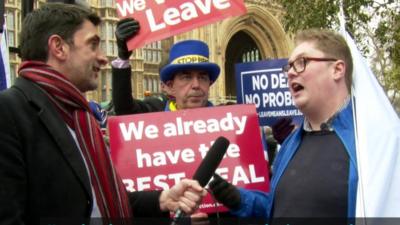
156	150
160	19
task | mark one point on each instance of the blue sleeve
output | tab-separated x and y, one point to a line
254	204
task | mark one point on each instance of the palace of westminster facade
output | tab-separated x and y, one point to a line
257	35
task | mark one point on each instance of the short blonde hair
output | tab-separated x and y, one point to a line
332	44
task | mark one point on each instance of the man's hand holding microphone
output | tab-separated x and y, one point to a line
186	196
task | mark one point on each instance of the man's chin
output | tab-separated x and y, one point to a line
196	105
93	87
302	105
90	87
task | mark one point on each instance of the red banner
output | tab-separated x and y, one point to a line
156	150
160	19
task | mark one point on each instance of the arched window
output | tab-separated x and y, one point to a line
241	49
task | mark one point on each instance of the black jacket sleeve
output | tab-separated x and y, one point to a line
123	101
146	204
13	178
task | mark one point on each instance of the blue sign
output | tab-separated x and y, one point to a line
264	84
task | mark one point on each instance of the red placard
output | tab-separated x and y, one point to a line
164	18
156	150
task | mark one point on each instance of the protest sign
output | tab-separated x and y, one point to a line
264	84
161	19
156	150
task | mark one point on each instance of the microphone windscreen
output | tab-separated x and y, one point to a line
211	161
207	168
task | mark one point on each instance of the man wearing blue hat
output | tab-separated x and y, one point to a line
187	76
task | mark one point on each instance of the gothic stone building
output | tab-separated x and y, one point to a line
257	35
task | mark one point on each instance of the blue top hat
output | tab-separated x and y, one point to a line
189	55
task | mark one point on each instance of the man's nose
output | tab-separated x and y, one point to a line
291	72
102	59
195	81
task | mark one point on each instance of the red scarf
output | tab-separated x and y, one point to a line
110	192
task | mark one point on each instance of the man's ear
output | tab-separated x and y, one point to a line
169	85
339	70
57	47
166	88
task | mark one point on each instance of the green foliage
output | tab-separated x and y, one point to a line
375	25
324	14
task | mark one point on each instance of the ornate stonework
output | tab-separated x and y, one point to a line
261	24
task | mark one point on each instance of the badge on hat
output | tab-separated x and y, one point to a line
189	55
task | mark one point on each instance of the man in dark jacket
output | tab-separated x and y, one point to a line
123	101
54	165
187	75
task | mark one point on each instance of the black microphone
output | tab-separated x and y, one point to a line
207	167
